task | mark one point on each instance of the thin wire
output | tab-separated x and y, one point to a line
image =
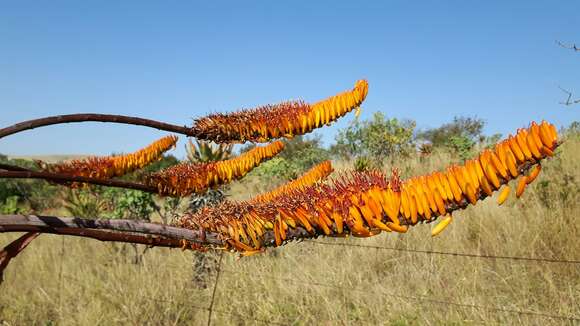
422	299
458	254
222	312
60	278
217	278
175	303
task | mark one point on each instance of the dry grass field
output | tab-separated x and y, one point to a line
70	281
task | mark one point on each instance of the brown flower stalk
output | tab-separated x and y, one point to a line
365	203
114	166
286	119
184	179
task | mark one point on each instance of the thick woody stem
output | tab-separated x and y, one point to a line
86	117
9	167
126	231
107	230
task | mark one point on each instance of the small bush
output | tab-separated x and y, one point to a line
299	155
375	139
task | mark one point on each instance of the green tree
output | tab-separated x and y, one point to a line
461	127
375	139
16	194
129	204
459	135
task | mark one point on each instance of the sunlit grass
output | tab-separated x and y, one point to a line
85	282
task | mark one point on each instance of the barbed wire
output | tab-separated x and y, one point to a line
457	254
421	299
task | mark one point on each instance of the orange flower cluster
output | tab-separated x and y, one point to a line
427	196
187	178
312	176
279	120
366	203
115	166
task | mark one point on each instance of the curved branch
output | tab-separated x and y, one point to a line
108	230
103	235
126	231
9	167
94	117
13	249
20	173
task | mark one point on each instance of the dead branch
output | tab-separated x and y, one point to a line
93	117
566	46
130	231
569	100
13	249
10	223
9	167
12	172
33	230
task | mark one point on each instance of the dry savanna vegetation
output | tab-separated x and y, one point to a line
71	281
363	232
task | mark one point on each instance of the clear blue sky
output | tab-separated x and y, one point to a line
175	60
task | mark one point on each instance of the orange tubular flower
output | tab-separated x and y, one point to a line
286	119
115	166
312	176
365	203
188	178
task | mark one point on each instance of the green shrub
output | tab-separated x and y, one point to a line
299	155
375	139
10	206
38	195
363	163
463	127
83	203
127	203
461	145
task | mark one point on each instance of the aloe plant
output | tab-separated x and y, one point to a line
205	151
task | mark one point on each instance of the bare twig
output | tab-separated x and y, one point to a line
569	100
20	173
94	117
13	249
566	46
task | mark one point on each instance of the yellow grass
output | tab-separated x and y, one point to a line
84	282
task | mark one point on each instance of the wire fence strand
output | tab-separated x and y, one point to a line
227	273
446	253
217	279
220	312
422	298
246	317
